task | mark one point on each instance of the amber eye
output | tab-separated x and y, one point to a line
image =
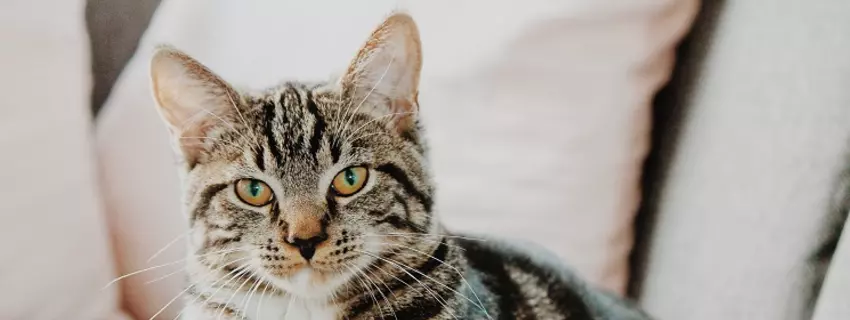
350	180
254	192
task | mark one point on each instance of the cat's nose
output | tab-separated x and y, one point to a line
304	226
307	247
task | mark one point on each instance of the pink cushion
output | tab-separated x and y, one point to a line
56	252
538	114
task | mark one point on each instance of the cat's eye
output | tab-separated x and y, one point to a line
349	181
254	192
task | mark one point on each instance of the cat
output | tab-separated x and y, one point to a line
314	201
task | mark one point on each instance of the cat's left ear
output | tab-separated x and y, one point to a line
191	99
383	79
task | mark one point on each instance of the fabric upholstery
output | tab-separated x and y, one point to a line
55	246
748	201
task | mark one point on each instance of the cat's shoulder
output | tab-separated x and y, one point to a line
510	250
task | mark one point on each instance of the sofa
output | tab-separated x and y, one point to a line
689	155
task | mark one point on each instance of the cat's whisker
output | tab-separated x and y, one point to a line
419	239
140	271
378	83
162	265
404	269
355	131
415	234
190	120
442	301
339	111
195	117
189	287
236	272
375	285
289	307
425	235
222	251
169	244
459	273
365	136
404	282
401	265
390	291
233	295
380	292
436	297
165	276
354	86
251	292
244	123
365	286
230	125
182	271
260	301
180	294
223	143
345	112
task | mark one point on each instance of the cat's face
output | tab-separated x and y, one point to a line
300	186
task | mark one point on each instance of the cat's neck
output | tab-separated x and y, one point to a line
206	302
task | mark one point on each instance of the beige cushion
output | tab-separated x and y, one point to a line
538	114
55	246
750	188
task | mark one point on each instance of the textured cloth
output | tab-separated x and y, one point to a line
747	203
55	246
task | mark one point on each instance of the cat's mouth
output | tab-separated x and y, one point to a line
317	274
315	278
307	281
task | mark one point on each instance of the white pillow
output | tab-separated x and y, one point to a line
55	250
538	114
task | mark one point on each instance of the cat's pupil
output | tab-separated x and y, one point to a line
255	188
350	177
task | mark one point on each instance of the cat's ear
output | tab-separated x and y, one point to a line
383	78
190	98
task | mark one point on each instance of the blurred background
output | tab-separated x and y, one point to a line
690	155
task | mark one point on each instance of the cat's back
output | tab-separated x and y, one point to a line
524	281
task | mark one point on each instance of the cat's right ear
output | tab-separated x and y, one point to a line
190	98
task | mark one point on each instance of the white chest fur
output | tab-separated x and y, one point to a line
263	307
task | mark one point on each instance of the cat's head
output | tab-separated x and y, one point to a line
301	185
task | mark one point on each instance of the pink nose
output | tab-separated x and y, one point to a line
303	227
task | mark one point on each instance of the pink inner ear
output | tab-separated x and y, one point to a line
387	66
404	114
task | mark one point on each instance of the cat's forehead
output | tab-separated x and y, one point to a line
319	91
296	131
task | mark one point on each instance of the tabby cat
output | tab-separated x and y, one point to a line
314	201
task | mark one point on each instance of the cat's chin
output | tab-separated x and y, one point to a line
310	283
